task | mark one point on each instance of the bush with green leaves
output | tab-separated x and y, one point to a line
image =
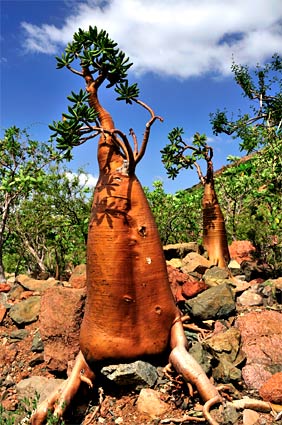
178	216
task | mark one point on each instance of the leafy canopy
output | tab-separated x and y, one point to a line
263	87
96	52
175	156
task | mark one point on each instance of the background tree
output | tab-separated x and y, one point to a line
177	216
263	88
260	131
50	226
252	203
175	158
22	162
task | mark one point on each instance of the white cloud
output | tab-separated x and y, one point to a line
85	179
182	38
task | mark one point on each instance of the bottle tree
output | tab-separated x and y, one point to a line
178	155
130	312
260	132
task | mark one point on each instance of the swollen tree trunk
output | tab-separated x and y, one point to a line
214	231
126	271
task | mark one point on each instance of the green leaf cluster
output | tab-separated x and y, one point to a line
263	87
75	123
175	156
48	230
95	50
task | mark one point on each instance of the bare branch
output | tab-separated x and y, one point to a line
149	124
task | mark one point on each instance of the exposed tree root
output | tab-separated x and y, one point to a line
96	410
191	371
185	418
250	403
61	398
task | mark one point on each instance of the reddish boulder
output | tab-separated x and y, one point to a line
271	390
261	336
241	251
60	318
78	277
5	287
3	312
183	286
192	287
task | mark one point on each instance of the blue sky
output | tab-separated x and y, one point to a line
182	52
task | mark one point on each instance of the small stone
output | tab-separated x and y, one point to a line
250	417
234	265
137	374
36	360
250	298
5	287
241	251
37	344
215	276
255	375
271	390
26	311
18	335
149	402
193	287
214	303
3	312
27	388
194	262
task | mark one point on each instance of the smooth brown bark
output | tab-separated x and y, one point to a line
214	232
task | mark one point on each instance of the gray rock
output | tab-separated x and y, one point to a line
250	298
225	347
179	250
37	344
26	311
137	374
34	284
215	276
37	384
201	356
18	335
214	303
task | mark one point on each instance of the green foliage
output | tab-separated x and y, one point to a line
48	230
24	411
250	196
263	87
127	92
94	54
68	132
174	154
95	49
22	164
178	216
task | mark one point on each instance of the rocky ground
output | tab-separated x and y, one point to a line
233	325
